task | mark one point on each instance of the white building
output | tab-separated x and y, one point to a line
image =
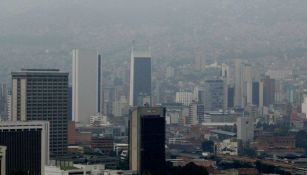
99	119
185	98
227	147
86	85
243	83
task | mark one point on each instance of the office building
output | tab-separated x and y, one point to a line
3	102
27	146
9	105
268	91
140	78
86	85
109	96
231	96
215	95
184	97
2	160
41	94
243	84
147	140
257	93
245	129
196	113
104	144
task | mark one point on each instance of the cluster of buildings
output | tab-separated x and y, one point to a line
138	119
50	127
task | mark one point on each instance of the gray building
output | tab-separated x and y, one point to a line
196	113
86	85
140	78
3	102
215	93
245	129
42	94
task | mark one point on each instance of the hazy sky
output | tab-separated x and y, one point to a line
175	29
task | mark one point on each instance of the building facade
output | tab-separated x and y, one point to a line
243	83
86	85
245	129
147	140
140	78
3	102
184	97
27	146
196	113
41	94
2	160
268	91
215	95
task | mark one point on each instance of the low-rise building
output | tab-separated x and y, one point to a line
228	147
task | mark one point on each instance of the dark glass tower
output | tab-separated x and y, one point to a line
147	140
255	96
140	78
42	94
26	147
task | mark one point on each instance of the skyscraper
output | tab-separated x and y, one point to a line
140	78
41	94
268	91
243	83
215	95
86	85
147	140
3	102
196	113
27	146
257	93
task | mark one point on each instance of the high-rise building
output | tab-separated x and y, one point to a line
196	113
9	105
109	96
86	85
268	91
243	83
231	95
257	93
215	95
140	78
245	129
41	94
3	102
147	140
27	146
